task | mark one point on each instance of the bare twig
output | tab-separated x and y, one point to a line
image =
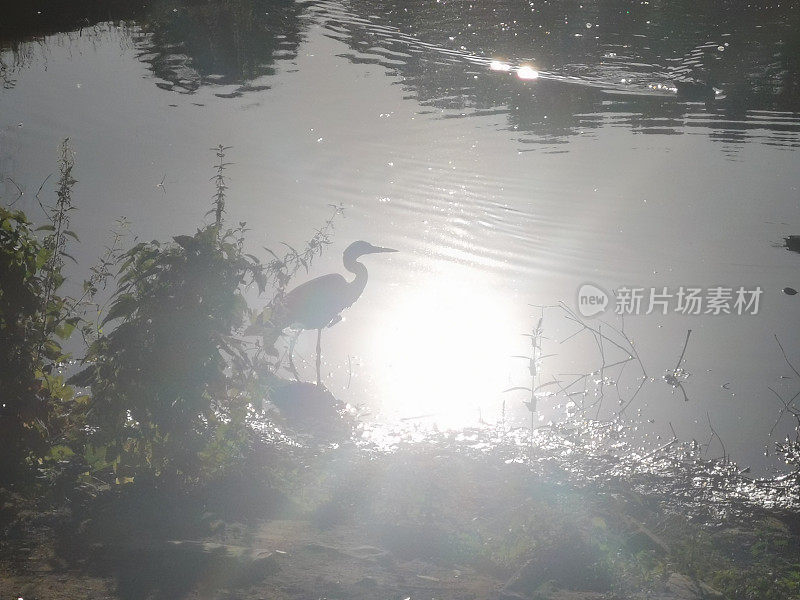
20	193
714	434
685	345
786	358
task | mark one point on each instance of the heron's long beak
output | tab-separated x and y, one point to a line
376	249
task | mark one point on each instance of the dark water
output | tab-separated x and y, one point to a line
656	147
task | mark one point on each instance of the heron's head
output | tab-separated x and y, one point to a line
359	248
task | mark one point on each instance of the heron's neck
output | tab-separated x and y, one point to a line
360	272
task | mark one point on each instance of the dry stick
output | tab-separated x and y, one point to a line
20	193
713	435
787	407
619	378
581	377
791	366
319	356
672	442
630	351
624	361
685	345
602	372
574	317
683	391
636	393
39	191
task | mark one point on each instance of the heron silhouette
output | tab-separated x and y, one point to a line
318	303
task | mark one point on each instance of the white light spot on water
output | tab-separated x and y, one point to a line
498	65
440	354
527	72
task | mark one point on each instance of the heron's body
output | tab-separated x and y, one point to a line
318	303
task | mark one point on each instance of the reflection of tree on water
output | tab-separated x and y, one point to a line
187	43
626	48
190	44
34	20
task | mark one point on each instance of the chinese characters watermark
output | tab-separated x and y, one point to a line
685	300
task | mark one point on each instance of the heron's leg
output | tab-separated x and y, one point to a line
319	354
292	367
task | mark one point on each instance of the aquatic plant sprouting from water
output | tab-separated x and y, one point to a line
534	369
575	388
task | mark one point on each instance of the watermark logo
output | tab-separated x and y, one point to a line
685	300
592	300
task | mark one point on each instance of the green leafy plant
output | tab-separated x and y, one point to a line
160	379
35	404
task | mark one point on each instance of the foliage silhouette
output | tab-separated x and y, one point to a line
35	405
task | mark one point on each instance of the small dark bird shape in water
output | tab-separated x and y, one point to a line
792	243
318	303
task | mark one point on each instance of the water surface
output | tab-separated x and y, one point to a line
502	193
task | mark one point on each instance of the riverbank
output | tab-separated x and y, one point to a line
421	522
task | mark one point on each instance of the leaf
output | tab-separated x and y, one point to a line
186	241
46	228
42	257
65	329
123	306
517	388
52	350
73	235
82	378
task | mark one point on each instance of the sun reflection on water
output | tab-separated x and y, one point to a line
446	356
